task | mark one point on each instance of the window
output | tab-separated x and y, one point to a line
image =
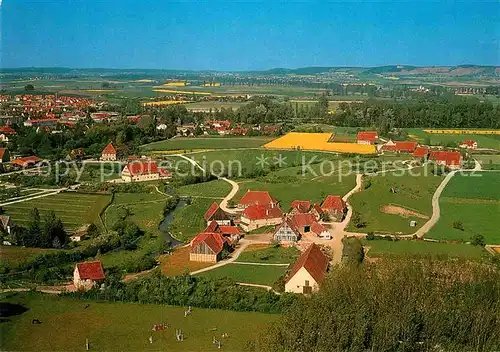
307	283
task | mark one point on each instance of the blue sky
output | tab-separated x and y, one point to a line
246	35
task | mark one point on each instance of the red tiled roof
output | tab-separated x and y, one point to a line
109	149
229	230
212	227
449	158
469	142
211	211
215	241
367	136
314	261
257	197
26	160
317	207
334	202
90	270
402	146
301	205
142	168
7	129
256	212
291	225
318	228
301	220
420	152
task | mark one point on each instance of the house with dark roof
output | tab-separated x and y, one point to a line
308	271
208	247
257	198
335	207
88	275
228	231
109	153
256	216
215	213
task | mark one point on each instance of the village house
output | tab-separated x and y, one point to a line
286	232
257	198
255	216
215	213
138	171
366	137
109	153
228	231
421	152
400	146
5	133
4	155
26	161
208	247
308	271
6	223
88	275
453	160
335	207
469	144
300	206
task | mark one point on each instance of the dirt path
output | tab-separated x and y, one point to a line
436	211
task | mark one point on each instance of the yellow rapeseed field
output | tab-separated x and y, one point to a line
463	131
317	141
163	102
179	91
175	84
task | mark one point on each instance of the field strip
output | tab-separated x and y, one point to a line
31	198
269	288
26	196
143	202
262	264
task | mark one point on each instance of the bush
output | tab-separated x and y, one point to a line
458	225
478	240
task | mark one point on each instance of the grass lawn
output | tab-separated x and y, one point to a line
483	141
252	274
476	185
74	209
384	248
122	326
476	216
488	162
188	220
412	193
146	210
178	263
215	189
257	253
473	200
207	143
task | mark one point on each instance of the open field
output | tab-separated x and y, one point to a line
215	189
474	202
178	263
163	102
488	162
404	248
475	185
483	140
144	209
66	324
207	105
188	221
251	274
257	253
207	143
317	141
413	193
14	255
74	209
